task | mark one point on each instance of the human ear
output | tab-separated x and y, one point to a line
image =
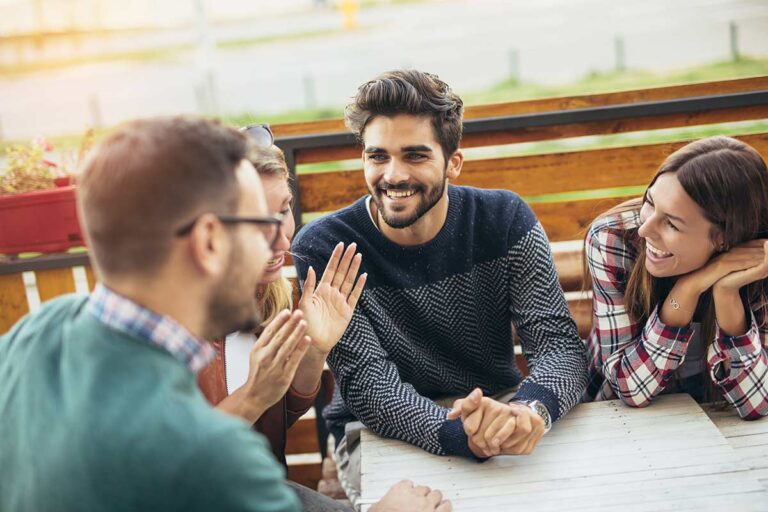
456	160
209	245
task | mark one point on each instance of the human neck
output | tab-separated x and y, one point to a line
420	232
163	297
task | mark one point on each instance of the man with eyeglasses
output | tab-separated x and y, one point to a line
99	406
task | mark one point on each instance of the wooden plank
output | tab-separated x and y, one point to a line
302	437
307	475
558	103
90	276
570	269
563	131
13	300
569	220
526	175
592	459
55	282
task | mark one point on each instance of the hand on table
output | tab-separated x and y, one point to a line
496	428
404	495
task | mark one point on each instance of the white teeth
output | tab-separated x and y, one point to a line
655	251
399	193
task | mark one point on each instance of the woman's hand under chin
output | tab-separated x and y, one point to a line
328	307
756	258
732	269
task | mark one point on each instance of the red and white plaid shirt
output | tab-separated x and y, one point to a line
636	361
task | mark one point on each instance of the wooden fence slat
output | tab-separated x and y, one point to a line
527	175
55	282
558	103
302	437
13	300
307	474
90	275
564	131
569	220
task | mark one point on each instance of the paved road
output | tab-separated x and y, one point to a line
467	42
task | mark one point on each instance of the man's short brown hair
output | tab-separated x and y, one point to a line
409	92
148	179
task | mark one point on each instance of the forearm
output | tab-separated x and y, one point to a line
680	305
307	377
243	404
729	311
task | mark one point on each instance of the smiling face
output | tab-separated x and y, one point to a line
405	170
678	238
279	199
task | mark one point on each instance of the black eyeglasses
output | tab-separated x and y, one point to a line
268	224
261	134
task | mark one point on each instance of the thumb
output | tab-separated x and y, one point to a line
309	285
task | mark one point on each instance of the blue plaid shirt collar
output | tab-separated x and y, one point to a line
124	315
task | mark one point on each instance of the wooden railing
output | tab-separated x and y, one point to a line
564	219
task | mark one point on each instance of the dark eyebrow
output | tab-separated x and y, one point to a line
674	217
420	149
374	149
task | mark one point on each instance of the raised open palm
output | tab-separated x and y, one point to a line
328	307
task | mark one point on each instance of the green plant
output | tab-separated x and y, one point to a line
28	168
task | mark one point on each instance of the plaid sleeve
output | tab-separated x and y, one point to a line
745	386
634	359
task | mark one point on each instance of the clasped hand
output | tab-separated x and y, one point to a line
496	428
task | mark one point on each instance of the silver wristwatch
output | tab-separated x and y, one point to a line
540	409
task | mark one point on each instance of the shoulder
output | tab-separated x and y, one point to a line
615	230
499	209
321	235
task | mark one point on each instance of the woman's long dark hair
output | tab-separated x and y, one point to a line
728	180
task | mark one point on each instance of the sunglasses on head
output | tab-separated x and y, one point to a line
261	134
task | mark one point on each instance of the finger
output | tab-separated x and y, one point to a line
523	429
333	264
470	404
445	506
349	278
455	411
434	498
294	359
504	433
341	270
472	422
357	291
271	330
491	434
309	285
289	351
422	490
288	334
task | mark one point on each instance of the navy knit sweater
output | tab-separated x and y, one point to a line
436	320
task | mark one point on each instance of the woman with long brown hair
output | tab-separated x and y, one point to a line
680	295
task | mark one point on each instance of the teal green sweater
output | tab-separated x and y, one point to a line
94	419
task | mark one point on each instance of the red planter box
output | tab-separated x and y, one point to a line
40	221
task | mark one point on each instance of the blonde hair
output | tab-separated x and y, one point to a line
277	295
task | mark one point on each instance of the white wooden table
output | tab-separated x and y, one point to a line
601	456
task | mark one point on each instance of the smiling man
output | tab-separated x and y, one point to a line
450	270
